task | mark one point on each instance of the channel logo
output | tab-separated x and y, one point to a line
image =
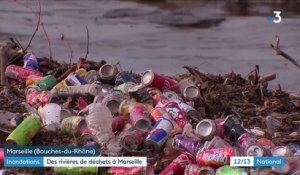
276	18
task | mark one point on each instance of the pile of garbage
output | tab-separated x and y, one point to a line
187	124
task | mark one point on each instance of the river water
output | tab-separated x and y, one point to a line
140	36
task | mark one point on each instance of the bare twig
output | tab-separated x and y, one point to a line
88	42
282	53
48	40
37	26
42	24
67	45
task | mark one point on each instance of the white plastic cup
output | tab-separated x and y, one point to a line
50	115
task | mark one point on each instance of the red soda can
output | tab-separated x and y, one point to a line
118	123
249	146
178	165
152	79
158	113
20	73
177	114
127	171
215	157
156	95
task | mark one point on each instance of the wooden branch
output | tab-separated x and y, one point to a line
67	45
37	26
278	51
48	40
88	42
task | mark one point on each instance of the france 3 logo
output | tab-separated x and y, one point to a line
276	18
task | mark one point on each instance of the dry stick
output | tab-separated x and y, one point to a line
88	42
43	27
67	45
37	26
283	54
48	40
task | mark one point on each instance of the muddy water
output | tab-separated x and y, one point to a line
140	38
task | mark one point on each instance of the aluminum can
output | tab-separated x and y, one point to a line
158	113
159	135
36	98
20	73
124	88
140	93
185	143
112	100
178	165
73	125
30	62
267	144
46	83
171	95
190	112
215	157
132	140
75	79
108	72
249	146
24	132
152	79
177	114
140	118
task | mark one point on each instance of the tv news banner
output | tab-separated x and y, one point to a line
65	156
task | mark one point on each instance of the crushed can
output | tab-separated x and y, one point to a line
156	95
140	93
124	88
227	170
178	165
215	157
46	83
73	125
81	72
171	95
158	113
176	113
30	62
20	73
74	79
216	142
249	146
140	118
152	79
132	140
158	135
36	98
24	132
124	77
75	170
190	112
108	72
185	143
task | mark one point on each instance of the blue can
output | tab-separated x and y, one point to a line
159	134
30	61
74	80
